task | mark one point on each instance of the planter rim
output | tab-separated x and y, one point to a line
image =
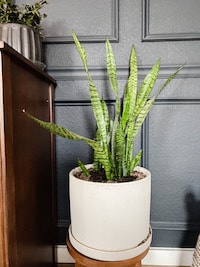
142	169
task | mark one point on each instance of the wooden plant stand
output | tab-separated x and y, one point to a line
83	261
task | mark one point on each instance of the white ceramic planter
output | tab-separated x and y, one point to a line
23	39
110	221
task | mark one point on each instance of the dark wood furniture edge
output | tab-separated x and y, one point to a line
9	50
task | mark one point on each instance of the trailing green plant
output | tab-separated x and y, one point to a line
28	14
115	138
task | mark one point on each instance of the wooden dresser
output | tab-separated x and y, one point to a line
27	212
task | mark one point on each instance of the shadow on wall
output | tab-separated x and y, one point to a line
192	205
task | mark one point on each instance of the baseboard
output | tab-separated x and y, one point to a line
156	256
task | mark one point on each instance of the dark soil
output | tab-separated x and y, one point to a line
99	176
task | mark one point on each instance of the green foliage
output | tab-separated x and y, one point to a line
84	169
28	14
114	142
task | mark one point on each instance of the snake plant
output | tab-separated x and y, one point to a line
115	138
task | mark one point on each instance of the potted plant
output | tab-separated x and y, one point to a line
20	27
110	199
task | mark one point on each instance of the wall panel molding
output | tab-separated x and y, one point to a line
162	229
99	73
59	35
149	36
175	226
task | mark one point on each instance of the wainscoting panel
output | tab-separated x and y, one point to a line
93	21
168	20
173	158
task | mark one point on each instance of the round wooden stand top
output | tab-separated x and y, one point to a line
83	261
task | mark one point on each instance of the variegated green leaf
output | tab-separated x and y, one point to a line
65	133
136	160
136	127
146	88
113	142
142	116
83	168
98	111
129	106
96	103
131	91
119	150
171	77
96	162
81	51
106	115
112	74
101	124
94	95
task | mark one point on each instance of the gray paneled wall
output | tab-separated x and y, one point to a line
166	29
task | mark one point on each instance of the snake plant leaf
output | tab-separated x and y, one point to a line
145	110
64	132
97	164
146	88
119	150
130	91
95	99
98	112
113	141
96	103
83	168
102	125
142	115
112	74
94	95
143	106
171	77
106	117
81	50
136	161
129	106
105	162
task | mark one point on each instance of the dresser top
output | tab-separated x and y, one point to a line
5	48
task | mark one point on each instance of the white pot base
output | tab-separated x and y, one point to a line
110	255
